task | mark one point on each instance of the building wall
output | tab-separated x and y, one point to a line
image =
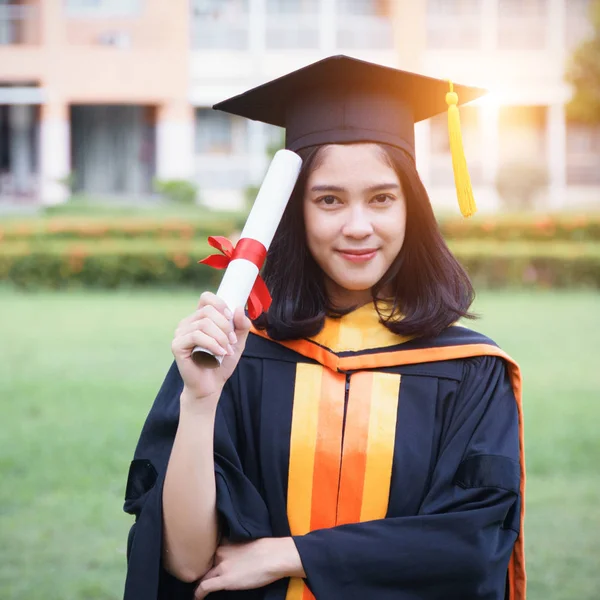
125	52
238	44
140	58
516	48
179	58
519	51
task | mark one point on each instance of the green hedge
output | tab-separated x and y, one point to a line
562	227
530	264
200	224
104	265
127	228
113	263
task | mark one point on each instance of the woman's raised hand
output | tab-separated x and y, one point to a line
214	328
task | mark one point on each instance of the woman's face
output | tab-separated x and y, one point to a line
355	216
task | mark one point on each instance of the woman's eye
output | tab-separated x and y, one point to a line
382	199
328	200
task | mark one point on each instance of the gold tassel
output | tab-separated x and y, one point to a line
464	190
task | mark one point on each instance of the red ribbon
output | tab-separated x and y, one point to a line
248	249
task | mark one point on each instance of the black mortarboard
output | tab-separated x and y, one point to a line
343	100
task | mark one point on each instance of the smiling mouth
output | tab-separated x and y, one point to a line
359	255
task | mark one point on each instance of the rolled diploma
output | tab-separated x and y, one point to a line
262	222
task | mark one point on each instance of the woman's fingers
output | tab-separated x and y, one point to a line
212	313
223	338
205	314
183	345
213	319
210	299
211	329
209	584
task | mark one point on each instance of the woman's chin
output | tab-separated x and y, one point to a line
355	287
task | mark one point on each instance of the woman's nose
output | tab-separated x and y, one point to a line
357	225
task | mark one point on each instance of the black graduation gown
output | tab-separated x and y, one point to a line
441	520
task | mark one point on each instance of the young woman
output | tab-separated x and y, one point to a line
355	442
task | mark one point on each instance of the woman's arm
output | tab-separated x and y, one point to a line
189	495
243	514
251	565
459	542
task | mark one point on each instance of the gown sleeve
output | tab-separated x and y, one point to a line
460	542
242	512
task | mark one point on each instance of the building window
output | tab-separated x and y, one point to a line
103	8
18	23
220	24
219	133
291	7
454	8
454	24
583	154
522	24
364	24
292	24
578	24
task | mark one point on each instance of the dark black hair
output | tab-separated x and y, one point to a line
425	284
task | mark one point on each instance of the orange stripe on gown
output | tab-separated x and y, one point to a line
319	466
385	394
315	455
354	460
328	455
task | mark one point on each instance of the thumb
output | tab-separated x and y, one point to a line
241	324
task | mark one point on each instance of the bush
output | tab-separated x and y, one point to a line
519	183
575	228
530	264
107	265
171	262
83	228
200	223
180	191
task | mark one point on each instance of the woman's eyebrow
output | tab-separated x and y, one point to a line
374	188
327	188
383	186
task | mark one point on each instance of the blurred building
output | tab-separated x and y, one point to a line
516	48
237	44
119	91
93	96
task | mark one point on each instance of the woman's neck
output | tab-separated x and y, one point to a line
343	299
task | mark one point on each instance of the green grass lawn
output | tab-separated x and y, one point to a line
78	372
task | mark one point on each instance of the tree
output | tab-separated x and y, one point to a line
583	73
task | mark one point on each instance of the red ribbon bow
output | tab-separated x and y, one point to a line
248	249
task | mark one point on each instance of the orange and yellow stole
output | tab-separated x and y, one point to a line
339	472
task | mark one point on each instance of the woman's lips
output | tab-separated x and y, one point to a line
359	256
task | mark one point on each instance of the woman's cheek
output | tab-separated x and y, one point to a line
322	233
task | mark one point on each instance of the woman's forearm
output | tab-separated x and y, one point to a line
189	494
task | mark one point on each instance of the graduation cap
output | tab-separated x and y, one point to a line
341	100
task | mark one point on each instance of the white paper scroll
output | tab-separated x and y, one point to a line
262	222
